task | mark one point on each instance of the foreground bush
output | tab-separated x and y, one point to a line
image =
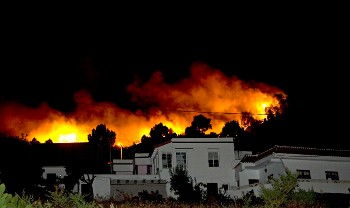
56	199
63	199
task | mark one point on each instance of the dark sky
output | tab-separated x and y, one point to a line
48	60
61	60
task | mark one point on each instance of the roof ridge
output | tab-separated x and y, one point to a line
296	150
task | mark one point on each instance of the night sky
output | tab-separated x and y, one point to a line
47	61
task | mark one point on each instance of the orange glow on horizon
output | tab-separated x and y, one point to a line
67	138
207	91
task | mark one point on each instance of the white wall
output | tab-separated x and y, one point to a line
198	166
239	192
319	186
101	187
318	167
325	187
239	154
163	173
141	169
272	168
142	159
102	183
60	171
123	167
277	163
197	159
247	174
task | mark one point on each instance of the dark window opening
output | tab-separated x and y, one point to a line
51	178
149	169
181	160
304	174
225	187
213	159
333	175
252	181
212	189
166	160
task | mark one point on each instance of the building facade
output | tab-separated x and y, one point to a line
215	163
207	160
320	170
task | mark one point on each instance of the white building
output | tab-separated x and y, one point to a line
123	166
214	162
129	177
121	187
208	160
321	170
143	164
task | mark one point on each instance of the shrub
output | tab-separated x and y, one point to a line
281	191
185	187
150	197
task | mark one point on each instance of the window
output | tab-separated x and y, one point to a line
252	181
136	170
213	159
51	178
181	159
166	160
305	174
332	175
225	187
149	169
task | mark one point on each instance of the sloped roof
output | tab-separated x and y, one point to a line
296	150
162	144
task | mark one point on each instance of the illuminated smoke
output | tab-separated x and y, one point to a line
207	91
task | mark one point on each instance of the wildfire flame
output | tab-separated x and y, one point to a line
207	91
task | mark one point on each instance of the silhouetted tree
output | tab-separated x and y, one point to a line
213	134
185	187
49	141
232	129
84	170
34	141
199	126
242	140
102	139
247	120
158	134
273	111
20	167
102	136
259	135
96	162
275	129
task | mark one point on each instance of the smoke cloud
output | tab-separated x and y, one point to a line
207	91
